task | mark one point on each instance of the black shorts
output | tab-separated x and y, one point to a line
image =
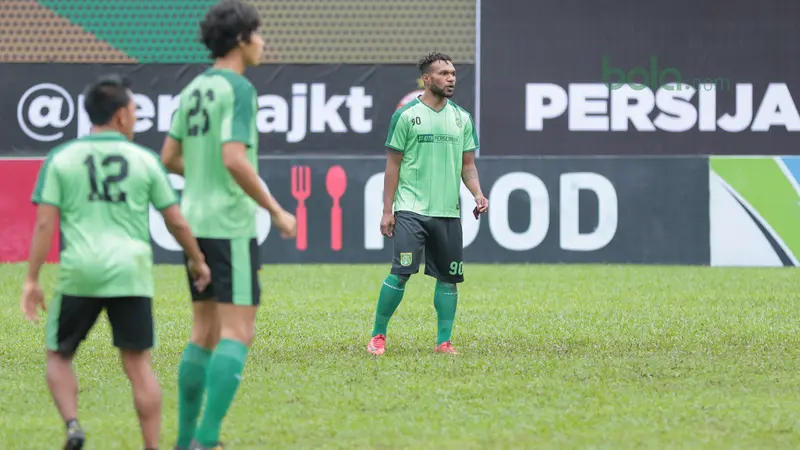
234	265
440	236
71	318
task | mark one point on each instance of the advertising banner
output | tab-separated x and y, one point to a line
615	210
607	210
17	213
308	109
754	211
639	79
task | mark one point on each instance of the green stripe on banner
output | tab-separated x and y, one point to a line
152	31
762	183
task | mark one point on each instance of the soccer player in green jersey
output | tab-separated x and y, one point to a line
430	150
213	143
101	186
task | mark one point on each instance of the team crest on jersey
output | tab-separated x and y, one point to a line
405	259
458	120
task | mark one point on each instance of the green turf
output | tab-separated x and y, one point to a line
553	357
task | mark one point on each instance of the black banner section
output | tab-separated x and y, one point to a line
602	210
582	78
309	109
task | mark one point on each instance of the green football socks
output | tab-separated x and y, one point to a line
222	382
390	297
191	387
445	300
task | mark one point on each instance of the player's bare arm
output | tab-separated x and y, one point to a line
32	295
179	228
234	157
172	155
391	178
469	175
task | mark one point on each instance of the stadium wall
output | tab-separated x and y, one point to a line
589	154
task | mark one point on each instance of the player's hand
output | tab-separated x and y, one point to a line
286	223
387	224
201	275
481	204
32	298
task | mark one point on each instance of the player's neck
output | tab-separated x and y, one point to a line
104	129
231	62
434	101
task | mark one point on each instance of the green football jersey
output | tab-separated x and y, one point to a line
103	185
433	145
218	106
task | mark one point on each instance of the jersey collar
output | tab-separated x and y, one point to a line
105	136
446	104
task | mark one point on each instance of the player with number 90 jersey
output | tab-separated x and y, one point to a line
218	106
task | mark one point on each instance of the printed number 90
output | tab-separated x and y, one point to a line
457	268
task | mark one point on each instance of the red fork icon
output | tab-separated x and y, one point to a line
301	190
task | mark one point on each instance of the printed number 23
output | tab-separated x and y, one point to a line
199	108
457	268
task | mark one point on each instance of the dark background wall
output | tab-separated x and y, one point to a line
577	169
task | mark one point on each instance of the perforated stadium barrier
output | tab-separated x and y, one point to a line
33	33
296	31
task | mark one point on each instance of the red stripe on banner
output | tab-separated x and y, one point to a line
17	213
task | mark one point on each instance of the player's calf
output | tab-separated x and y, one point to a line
391	295
146	394
445	300
193	366
64	389
225	370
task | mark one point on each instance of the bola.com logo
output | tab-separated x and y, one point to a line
44	110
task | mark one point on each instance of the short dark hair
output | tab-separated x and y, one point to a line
226	23
426	62
105	96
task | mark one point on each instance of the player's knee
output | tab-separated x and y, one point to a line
205	336
398	280
60	356
206	327
243	333
446	286
237	323
137	363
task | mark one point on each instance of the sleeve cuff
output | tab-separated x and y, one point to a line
244	141
163	207
38	201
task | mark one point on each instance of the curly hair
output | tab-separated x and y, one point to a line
426	62
226	23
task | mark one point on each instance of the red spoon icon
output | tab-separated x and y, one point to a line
336	184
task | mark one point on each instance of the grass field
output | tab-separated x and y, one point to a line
585	357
